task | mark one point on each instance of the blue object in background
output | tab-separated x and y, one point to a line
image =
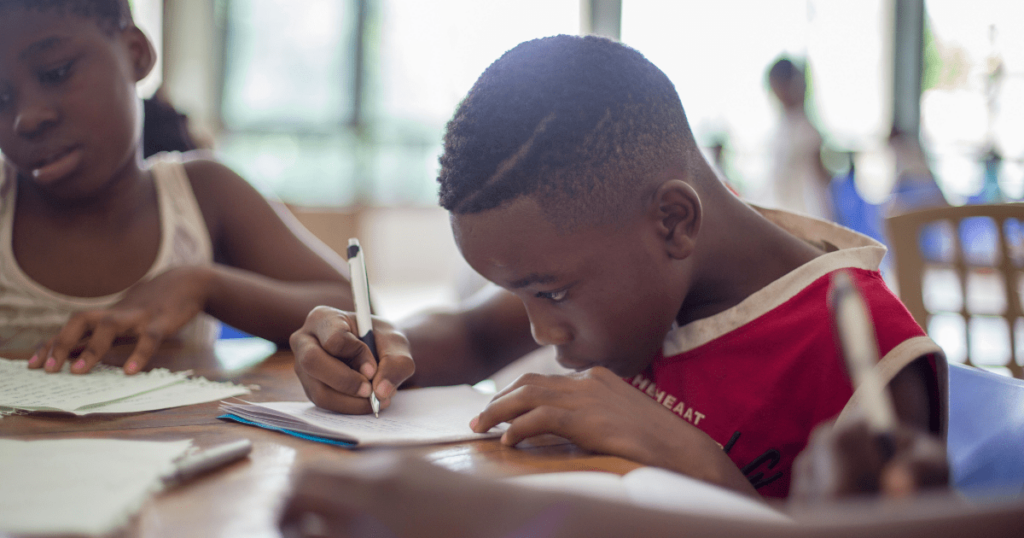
985	442
228	332
853	211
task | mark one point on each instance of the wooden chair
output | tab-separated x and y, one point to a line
940	239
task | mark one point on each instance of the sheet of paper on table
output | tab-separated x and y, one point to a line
656	488
106	389
415	417
79	486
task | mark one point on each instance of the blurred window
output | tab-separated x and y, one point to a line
972	106
344	102
718	53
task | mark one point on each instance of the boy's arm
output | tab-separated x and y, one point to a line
912	396
468	343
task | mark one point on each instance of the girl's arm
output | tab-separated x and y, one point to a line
269	271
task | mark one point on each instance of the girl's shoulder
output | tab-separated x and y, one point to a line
229	203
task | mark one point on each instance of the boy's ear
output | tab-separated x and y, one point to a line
140	52
677	211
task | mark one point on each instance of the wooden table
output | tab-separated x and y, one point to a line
243	499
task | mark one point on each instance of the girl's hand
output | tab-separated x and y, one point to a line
337	370
150	312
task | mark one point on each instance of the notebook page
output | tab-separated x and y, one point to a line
180	393
79	486
419	416
36	390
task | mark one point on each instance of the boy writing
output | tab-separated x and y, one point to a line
698	324
98	246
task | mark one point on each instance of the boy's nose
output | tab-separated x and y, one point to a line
547	331
34	117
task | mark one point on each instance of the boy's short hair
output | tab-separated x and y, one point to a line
111	14
579	123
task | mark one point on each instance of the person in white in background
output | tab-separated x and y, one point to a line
797	177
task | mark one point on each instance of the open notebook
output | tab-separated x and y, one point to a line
415	417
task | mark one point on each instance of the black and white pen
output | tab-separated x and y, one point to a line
361	296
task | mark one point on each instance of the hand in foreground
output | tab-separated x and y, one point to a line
386	494
852	461
600	412
337	370
149	313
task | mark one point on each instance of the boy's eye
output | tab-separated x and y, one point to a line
553	296
55	75
5	98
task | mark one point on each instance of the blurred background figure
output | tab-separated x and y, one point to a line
164	127
797	177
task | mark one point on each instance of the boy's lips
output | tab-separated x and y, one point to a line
573	364
57	165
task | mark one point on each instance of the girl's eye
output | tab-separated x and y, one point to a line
56	75
553	296
5	99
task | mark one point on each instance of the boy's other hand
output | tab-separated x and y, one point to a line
851	461
149	313
337	370
597	411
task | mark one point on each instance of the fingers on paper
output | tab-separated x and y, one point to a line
90	335
149	341
532	405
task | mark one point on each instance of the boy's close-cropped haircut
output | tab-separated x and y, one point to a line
112	15
578	123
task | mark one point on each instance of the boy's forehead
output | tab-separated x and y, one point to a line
518	241
514	223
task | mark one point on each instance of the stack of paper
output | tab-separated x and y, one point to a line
79	486
103	390
415	417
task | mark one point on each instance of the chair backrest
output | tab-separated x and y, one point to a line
975	252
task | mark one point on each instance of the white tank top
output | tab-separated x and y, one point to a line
31	314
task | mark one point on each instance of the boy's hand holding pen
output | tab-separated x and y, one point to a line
347	361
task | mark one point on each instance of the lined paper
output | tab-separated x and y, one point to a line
105	389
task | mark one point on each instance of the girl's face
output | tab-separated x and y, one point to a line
70	120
